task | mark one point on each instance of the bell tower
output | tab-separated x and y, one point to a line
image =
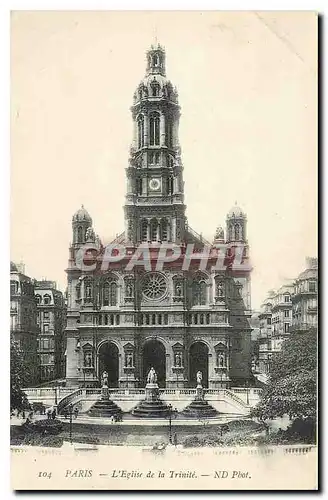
154	206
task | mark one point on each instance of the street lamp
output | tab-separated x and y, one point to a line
70	412
174	411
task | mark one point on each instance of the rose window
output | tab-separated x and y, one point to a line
154	286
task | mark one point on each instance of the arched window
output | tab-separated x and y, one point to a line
106	294
170	183
13	287
113	293
144	230
141	131
237	232
117	319
153	230
199	293
47	299
80	234
163	230
106	319
38	299
139	186
154	89
155	60
154	129
153	320
157	158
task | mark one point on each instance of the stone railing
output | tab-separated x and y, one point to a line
242	396
76	395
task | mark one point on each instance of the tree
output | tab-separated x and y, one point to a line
292	387
18	398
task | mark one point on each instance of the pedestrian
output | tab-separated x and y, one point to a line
23	414
66	413
49	414
175	440
112	419
53	414
76	412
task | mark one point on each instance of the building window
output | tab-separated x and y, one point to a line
144	230
237	232
13	287
117	319
312	286
46	328
140	131
46	315
155	60
139	186
155	89
287	298
154	129
153	230
80	235
113	294
286	314
106	294
166	319
163	230
268	321
286	327
38	299
199	293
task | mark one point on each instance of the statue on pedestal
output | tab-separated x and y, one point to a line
152	376
199	377
178	360
104	379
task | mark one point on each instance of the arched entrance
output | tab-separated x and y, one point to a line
108	361
153	355
198	361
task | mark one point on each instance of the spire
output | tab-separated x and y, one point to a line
156	60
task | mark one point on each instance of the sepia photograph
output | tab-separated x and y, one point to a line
164	250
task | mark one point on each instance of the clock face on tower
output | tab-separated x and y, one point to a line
154	184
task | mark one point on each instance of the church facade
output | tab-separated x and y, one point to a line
169	299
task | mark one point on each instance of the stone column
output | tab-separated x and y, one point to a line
173	230
158	230
168	374
134	136
162	129
211	366
148	230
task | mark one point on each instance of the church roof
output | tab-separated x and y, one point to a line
13	267
236	212
81	215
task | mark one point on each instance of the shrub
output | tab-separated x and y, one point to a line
44	426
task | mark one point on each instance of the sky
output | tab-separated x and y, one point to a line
247	86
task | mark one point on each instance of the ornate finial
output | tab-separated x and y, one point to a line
155	36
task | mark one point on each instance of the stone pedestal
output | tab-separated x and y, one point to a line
199	408
105	407
152	406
